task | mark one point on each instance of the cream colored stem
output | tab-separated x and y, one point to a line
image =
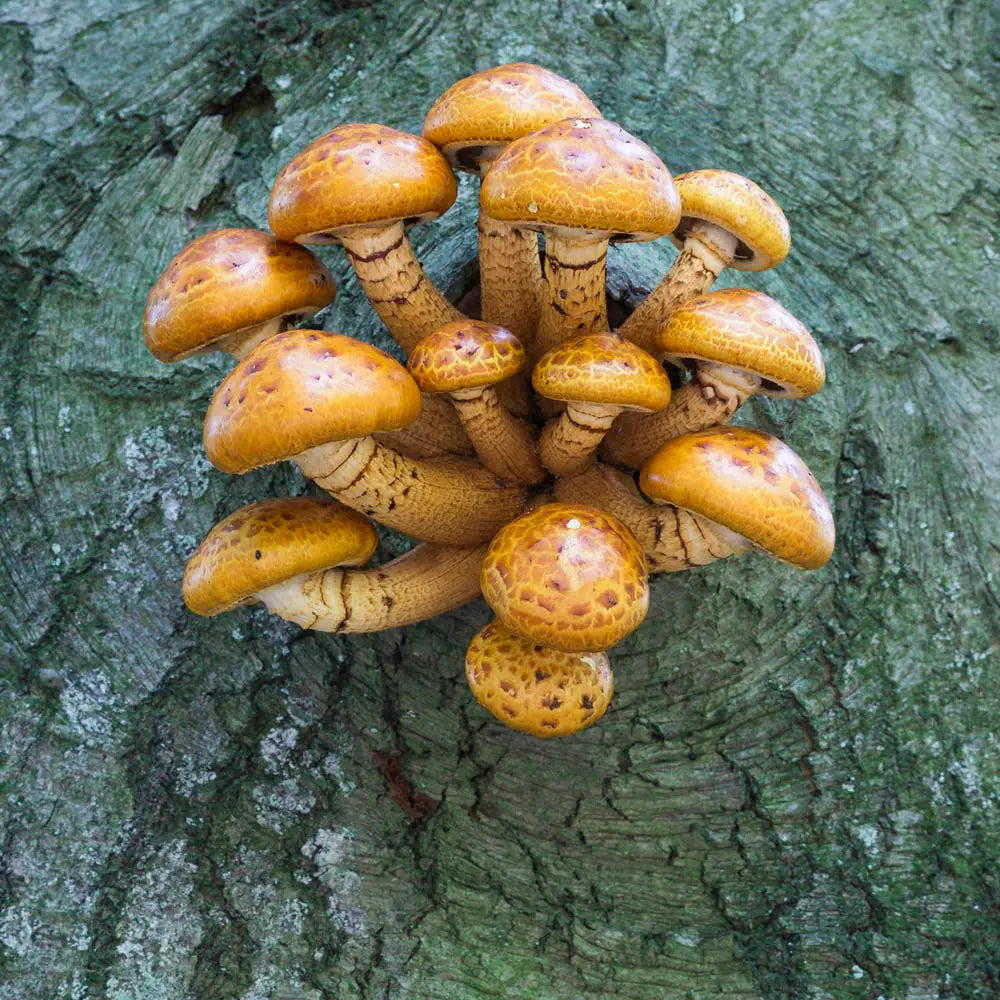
454	501
573	299
708	250
568	442
427	581
435	433
510	277
505	445
396	285
242	342
673	539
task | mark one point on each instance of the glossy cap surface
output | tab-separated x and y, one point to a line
304	388
739	206
477	116
537	689
602	368
269	542
749	482
227	281
582	174
465	354
359	175
568	576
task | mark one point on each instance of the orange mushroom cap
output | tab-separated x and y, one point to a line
739	206
537	689
582	174
304	388
359	175
568	576
477	116
227	281
750	483
269	542
602	368
464	355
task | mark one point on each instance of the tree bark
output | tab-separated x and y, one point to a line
794	792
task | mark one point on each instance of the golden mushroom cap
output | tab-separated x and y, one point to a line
568	576
739	206
465	354
749	482
269	542
304	388
359	175
227	281
477	116
602	368
537	689
582	174
748	330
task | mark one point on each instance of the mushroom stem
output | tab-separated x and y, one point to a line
435	433
568	442
400	292
673	539
510	277
240	343
428	580
708	250
451	501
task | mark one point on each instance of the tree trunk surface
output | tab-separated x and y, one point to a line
795	791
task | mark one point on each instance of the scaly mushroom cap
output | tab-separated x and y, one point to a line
304	388
747	330
567	576
359	175
226	281
464	355
582	174
739	206
269	542
752	484
602	368
536	689
477	116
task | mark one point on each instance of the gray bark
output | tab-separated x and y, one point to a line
794	793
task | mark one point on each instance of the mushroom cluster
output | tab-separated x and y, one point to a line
536	455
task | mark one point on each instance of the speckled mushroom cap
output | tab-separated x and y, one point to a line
359	175
752	484
602	368
568	576
748	330
739	206
304	388
269	542
582	174
537	689
477	116
227	281
466	354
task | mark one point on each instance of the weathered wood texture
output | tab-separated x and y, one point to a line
795	791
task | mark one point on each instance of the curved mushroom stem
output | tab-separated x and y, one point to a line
242	342
435	433
568	442
427	581
708	250
451	501
400	292
573	300
510	277
673	539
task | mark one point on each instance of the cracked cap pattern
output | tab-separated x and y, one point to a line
466	354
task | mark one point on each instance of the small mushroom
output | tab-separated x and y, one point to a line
466	360
316	397
537	689
739	343
598	376
568	576
360	185
230	289
290	554
726	221
471	123
583	182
